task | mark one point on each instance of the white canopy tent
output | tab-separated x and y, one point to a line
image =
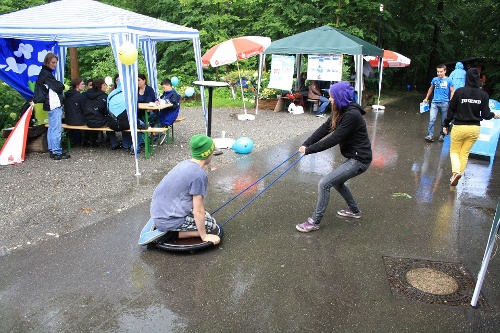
74	23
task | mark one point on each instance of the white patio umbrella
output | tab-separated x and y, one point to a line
233	50
389	59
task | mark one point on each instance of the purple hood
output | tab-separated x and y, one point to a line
342	93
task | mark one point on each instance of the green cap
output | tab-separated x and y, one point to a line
201	146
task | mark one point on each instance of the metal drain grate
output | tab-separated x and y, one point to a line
449	282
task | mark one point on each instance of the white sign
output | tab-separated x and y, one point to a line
282	69
325	67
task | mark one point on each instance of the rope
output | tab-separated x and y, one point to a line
258	194
249	186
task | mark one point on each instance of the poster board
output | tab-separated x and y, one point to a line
282	69
323	67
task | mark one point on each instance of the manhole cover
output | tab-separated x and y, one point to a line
432	282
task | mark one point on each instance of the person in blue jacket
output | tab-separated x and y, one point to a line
346	128
168	115
458	76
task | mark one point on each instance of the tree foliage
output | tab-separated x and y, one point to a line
429	32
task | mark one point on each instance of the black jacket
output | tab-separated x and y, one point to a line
351	135
94	106
73	113
470	104
46	77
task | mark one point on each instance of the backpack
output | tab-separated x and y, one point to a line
119	123
40	93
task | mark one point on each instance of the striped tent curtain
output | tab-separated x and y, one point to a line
149	52
63	51
199	72
128	78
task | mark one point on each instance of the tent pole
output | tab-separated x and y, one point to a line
241	86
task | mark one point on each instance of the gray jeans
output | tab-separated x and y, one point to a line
337	178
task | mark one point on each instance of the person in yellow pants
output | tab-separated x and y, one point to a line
467	108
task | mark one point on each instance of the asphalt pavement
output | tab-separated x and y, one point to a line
267	277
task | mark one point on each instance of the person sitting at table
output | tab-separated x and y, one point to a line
303	89
95	110
146	94
118	118
168	115
73	114
315	93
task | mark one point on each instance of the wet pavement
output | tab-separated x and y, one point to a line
265	276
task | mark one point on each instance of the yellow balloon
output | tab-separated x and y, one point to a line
127	53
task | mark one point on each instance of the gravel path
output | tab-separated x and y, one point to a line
42	198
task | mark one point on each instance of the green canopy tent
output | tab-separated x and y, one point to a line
327	40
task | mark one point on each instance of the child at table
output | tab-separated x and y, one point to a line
168	115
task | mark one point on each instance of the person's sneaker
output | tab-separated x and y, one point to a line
455	178
307	226
348	213
63	156
441	138
429	138
320	115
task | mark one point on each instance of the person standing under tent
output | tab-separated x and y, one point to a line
442	87
177	206
53	105
458	76
346	128
468	107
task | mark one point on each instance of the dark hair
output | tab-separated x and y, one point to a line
48	58
76	82
443	66
88	81
97	83
142	77
116	76
166	82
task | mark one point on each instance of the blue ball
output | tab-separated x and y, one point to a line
243	145
175	81
189	91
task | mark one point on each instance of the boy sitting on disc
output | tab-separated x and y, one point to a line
177	206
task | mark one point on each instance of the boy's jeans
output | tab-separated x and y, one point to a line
443	110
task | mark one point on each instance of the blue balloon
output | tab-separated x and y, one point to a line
189	92
243	145
408	87
175	81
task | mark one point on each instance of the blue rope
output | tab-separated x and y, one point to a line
258	194
258	180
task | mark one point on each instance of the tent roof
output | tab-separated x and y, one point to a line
85	23
323	40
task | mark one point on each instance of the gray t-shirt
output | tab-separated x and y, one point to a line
173	198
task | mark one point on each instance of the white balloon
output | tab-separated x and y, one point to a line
108	80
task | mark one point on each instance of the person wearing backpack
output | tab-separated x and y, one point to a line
49	91
118	118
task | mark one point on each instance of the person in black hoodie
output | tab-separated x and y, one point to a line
346	128
73	114
95	109
468	107
53	91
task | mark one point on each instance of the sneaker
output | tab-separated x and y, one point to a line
320	115
307	226
348	213
429	138
63	156
441	138
455	178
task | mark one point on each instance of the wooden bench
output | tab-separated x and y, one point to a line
169	133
